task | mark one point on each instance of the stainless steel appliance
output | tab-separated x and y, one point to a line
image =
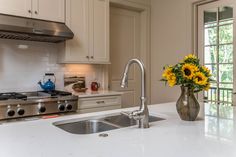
20	28
19	105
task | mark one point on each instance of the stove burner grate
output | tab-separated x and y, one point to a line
57	93
13	95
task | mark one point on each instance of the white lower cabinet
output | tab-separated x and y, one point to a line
89	21
101	103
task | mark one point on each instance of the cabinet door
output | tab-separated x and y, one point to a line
99	31
52	10
77	20
16	7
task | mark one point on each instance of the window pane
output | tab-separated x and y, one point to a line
225	95
211	94
225	13
230	86
211	36
226	34
210	17
213	85
226	54
213	69
210	54
226	92
226	73
229	21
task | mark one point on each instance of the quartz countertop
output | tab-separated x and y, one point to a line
212	135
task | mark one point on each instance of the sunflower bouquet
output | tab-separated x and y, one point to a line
188	73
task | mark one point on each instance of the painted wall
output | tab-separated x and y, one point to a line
171	40
21	69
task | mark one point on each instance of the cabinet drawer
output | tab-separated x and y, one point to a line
98	109
96	102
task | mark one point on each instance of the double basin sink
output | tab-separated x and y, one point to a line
97	125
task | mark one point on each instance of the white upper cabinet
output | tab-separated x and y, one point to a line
89	21
99	28
16	7
77	49
53	10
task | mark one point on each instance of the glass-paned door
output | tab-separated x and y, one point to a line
216	48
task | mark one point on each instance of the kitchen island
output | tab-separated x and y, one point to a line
212	135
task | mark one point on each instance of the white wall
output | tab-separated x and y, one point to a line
21	69
171	40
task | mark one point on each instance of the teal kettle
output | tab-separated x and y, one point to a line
48	84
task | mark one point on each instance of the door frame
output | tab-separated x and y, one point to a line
145	36
195	37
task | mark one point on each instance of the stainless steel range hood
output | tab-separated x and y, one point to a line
20	28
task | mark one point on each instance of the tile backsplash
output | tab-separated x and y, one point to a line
23	64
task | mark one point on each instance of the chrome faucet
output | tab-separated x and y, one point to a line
141	115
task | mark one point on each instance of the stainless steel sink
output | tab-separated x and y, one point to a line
86	127
99	124
125	121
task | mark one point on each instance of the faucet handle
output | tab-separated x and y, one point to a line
128	114
137	115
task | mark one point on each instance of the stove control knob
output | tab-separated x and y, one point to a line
61	107
10	112
69	107
21	111
42	109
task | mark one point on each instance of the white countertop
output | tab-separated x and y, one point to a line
212	137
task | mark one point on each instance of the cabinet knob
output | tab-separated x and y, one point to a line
92	57
36	12
87	57
29	11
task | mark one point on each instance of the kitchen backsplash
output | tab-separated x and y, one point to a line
23	64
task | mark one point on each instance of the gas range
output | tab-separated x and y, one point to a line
26	104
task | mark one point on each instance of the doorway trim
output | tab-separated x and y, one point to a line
195	6
145	46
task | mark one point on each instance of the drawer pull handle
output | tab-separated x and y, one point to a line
100	102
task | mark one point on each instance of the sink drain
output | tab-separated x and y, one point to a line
103	135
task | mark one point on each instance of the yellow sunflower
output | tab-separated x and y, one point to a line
190	56
208	85
188	70
200	79
171	80
168	71
205	69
